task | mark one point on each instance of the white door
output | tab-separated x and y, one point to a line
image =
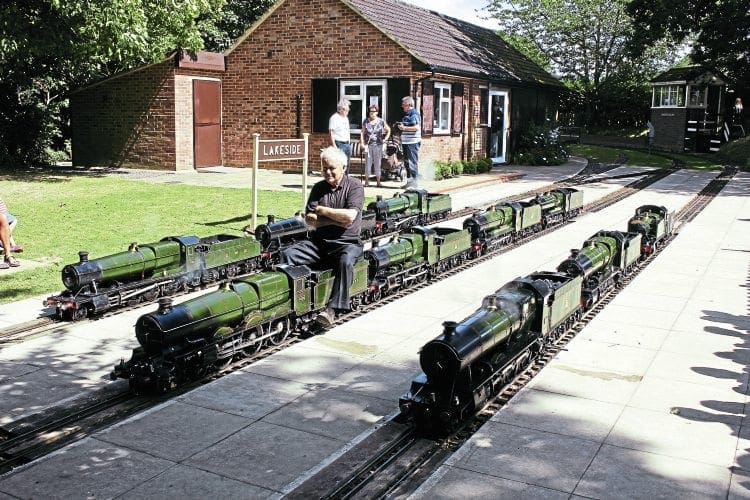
499	121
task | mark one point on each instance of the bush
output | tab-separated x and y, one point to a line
441	167
457	168
536	147
736	152
484	165
470	167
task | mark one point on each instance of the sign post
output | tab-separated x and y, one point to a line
277	150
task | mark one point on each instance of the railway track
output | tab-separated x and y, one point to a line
32	329
23	441
396	459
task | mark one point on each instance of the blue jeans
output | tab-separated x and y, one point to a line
411	159
346	147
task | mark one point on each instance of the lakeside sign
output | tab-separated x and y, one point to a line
285	149
277	150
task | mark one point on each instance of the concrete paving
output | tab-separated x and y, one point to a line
649	401
259	432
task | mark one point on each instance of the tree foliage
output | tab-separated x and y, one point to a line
586	43
49	47
721	32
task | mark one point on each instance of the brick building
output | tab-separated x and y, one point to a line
284	75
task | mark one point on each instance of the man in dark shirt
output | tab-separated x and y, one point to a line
334	209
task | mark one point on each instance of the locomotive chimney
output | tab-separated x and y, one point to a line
83	256
491	302
165	305
379	197
574	252
449	328
271	219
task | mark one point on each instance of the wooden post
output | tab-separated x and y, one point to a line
256	145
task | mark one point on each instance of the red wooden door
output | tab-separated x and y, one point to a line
207	123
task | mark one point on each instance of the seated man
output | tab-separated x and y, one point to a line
334	209
7	224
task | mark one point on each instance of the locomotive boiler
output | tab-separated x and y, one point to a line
410	208
654	223
145	272
473	358
183	342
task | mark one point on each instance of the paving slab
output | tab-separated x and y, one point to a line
677	428
174	431
32	392
585	418
690	401
461	483
545	459
305	413
266	455
247	395
677	435
87	469
332	412
625	473
188	482
739	487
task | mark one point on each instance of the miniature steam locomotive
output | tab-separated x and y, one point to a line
472	359
199	335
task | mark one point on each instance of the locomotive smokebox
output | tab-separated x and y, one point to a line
83	256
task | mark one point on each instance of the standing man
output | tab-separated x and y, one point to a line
334	209
411	139
338	130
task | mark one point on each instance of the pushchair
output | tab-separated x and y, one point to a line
392	164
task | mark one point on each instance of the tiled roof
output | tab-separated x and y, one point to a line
686	74
450	45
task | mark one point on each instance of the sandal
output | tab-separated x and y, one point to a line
16	249
4	265
11	261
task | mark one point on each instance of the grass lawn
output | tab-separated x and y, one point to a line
643	158
60	214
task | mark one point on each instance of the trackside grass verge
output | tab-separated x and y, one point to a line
61	214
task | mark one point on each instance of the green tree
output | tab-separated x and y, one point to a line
48	47
586	42
721	32
236	17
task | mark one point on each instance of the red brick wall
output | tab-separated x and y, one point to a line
130	120
127	120
308	39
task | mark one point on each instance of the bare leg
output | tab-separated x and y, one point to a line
5	235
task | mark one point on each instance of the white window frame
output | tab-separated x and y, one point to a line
669	95
361	97
439	99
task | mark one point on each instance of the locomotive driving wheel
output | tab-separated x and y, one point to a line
279	331
256	344
77	314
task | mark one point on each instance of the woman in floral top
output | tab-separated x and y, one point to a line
374	133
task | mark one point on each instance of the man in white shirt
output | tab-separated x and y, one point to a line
338	130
